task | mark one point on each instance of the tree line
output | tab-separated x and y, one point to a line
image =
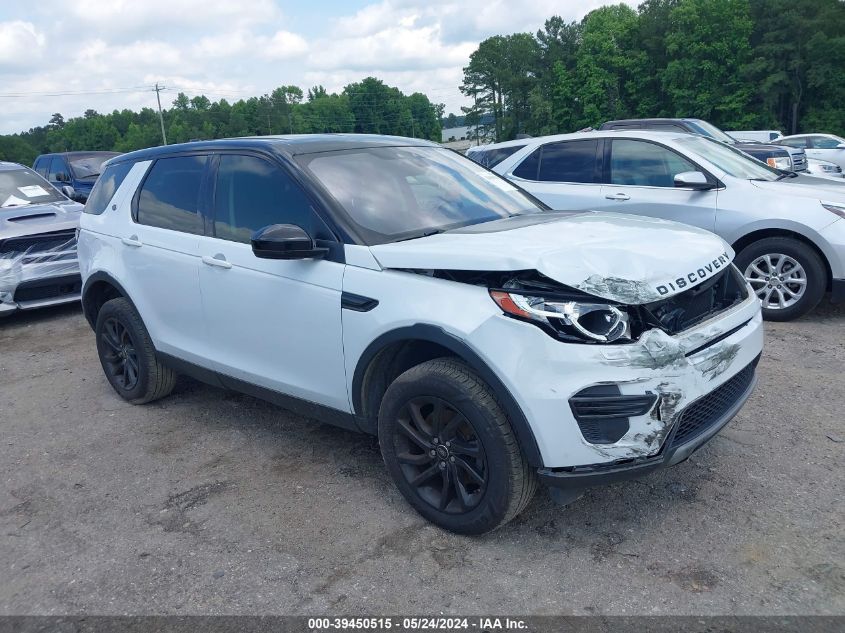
741	64
368	106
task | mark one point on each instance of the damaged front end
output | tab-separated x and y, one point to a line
638	366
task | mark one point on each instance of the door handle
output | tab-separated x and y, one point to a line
132	241
218	260
618	196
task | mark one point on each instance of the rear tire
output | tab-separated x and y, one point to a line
450	449
127	354
783	270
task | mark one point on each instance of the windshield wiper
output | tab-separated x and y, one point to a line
426	234
787	174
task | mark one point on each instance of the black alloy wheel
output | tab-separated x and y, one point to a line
441	455
120	357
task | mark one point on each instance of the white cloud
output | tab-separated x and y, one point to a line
117	49
283	45
21	45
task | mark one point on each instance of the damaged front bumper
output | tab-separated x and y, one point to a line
714	413
670	374
38	271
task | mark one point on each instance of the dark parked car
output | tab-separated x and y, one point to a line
772	155
77	171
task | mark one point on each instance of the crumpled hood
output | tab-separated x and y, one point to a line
806	187
38	218
630	259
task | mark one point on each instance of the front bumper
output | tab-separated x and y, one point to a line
543	374
39	276
574	480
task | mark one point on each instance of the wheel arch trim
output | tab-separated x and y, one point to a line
438	336
87	288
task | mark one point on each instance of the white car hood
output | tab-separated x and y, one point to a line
629	259
805	187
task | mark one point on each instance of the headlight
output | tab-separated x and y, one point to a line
587	321
838	209
831	168
780	162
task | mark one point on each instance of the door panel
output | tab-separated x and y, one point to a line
273	323
641	176
160	254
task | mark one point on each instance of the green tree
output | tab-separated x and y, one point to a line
707	46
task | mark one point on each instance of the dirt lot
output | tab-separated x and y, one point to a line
211	502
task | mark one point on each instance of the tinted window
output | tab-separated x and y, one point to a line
529	167
252	193
58	170
89	166
824	142
105	187
42	165
793	142
492	157
645	164
393	193
570	161
169	197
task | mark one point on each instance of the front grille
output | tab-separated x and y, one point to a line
799	161
41	248
48	288
710	409
688	308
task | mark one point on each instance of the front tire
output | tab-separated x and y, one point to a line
450	449
127	354
787	275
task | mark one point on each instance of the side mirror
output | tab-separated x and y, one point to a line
69	191
285	241
693	180
840	146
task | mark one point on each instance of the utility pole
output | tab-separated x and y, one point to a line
160	115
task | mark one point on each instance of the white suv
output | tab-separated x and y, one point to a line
390	286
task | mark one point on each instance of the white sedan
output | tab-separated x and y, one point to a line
827	147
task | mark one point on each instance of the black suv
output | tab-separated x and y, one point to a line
772	155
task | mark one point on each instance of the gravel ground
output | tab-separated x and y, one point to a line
210	502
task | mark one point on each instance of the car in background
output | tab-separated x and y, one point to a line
74	173
825	169
755	136
827	147
788	229
794	159
38	264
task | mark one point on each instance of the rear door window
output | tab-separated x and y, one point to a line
570	161
169	197
106	186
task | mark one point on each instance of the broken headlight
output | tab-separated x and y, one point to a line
586	321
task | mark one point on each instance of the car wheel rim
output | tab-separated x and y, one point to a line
119	354
441	455
778	280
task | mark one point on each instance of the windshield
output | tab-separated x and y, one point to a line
395	193
88	167
730	160
20	187
708	129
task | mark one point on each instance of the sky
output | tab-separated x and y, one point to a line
70	55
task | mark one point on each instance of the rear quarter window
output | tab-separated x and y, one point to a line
106	186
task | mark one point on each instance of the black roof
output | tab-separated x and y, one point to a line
290	145
92	152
